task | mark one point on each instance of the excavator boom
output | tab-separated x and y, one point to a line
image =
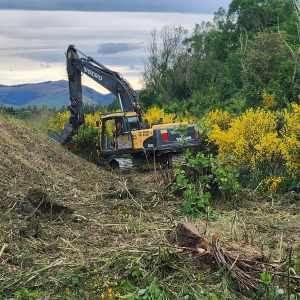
111	80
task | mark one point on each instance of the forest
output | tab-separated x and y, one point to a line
226	64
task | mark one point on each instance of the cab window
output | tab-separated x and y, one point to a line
121	125
133	123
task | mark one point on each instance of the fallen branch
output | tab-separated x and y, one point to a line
245	271
244	278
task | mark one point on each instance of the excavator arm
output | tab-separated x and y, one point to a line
112	81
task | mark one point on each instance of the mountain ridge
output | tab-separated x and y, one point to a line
49	93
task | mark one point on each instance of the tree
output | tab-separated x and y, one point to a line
265	55
257	15
167	71
295	54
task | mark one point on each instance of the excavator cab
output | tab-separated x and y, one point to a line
116	132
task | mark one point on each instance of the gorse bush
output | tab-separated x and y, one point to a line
267	141
245	135
156	115
290	135
218	117
57	122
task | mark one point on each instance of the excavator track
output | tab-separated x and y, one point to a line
121	165
178	159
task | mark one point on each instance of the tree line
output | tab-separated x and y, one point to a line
229	63
33	111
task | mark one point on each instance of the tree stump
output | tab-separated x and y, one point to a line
188	236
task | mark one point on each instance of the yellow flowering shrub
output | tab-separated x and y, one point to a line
57	122
247	136
256	138
268	100
272	185
89	131
156	115
218	117
291	140
91	120
268	148
153	116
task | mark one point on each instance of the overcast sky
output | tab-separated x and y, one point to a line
35	34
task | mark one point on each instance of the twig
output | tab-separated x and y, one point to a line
124	184
232	266
257	187
289	274
2	249
8	211
4	202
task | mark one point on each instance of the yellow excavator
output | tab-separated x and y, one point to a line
129	135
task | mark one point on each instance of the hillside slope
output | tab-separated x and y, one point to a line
53	205
50	93
66	224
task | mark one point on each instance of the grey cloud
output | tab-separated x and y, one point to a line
48	57
190	6
112	48
42	56
45	66
68	35
22	48
136	68
114	62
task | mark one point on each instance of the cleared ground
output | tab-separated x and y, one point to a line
65	223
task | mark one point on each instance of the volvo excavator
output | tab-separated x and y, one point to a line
122	132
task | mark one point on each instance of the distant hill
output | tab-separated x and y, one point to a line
50	93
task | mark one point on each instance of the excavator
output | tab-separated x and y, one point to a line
122	132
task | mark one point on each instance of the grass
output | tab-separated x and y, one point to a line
72	230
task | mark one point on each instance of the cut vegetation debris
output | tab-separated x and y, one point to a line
73	230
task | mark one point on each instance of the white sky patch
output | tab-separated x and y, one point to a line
30	75
33	43
132	76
